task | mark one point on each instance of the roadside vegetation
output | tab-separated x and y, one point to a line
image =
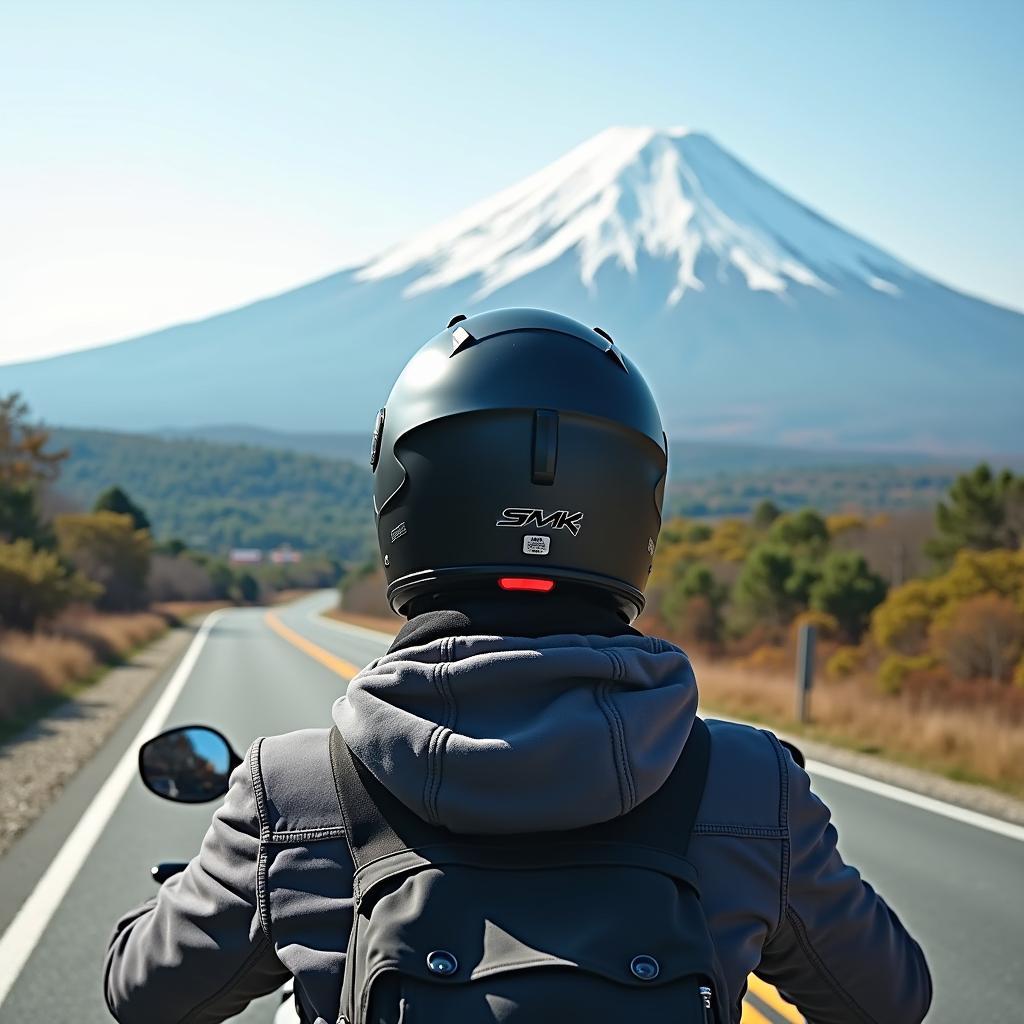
81	589
920	623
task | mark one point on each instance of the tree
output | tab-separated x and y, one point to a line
848	591
108	550
804	530
24	455
693	604
20	516
247	588
36	585
765	514
984	639
25	462
984	511
900	623
761	592
114	499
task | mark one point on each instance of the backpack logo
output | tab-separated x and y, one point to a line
560	520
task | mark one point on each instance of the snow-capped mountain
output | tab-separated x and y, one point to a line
754	317
673	196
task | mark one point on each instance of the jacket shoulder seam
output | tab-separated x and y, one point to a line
712	828
780	760
300	835
256	773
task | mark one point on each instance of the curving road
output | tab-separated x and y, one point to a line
960	887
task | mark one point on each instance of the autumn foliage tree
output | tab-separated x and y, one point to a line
108	549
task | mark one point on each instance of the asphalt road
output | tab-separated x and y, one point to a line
960	888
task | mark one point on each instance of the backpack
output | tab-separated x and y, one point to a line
598	923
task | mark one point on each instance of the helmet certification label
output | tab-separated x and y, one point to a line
399	531
536	545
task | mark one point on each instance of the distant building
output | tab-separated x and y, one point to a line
285	556
245	556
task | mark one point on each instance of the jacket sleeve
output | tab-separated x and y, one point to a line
197	953
840	953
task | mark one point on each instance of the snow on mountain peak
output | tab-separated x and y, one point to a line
672	195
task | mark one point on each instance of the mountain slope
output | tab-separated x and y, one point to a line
755	318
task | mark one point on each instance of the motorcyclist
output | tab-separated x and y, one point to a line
519	468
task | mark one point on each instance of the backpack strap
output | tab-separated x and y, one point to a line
377	824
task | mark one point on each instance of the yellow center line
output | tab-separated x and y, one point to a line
769	995
752	1015
343	668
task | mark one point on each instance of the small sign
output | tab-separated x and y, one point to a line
536	545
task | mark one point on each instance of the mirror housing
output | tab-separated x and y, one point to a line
190	765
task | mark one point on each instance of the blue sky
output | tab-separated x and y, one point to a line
160	162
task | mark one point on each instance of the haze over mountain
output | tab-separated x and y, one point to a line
755	318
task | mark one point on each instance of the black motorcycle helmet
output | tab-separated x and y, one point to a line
519	450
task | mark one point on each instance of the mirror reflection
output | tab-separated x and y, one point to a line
189	765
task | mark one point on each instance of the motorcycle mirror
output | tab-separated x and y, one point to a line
190	765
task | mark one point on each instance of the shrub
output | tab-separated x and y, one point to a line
844	662
983	638
900	623
895	670
766	658
843	522
106	547
36	585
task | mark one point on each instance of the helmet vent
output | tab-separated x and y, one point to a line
545	446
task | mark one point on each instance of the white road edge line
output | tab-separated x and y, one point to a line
919	800
29	924
825	771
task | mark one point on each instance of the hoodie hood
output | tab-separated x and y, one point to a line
490	735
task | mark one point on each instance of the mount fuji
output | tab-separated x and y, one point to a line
754	318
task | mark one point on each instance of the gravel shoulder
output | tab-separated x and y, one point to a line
37	763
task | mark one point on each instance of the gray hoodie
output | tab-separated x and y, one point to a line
488	734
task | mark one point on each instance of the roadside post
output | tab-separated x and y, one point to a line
804	670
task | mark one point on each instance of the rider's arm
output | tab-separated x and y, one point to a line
840	953
198	952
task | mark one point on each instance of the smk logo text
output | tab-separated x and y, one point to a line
560	520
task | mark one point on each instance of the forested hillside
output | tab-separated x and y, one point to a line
216	497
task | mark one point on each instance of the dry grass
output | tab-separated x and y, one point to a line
979	743
177	612
37	669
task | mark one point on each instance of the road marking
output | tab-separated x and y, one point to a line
909	797
769	994
345	669
752	1015
29	924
